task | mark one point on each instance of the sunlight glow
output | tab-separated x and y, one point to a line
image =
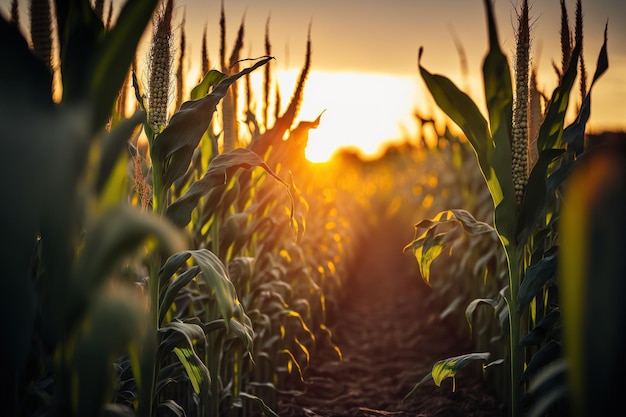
361	110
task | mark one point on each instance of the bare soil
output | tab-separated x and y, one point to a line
390	336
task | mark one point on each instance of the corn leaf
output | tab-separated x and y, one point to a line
499	100
471	307
113	323
536	196
462	110
259	401
115	52
175	145
220	169
551	130
210	79
112	147
448	368
215	276
548	354
574	134
27	80
542	329
171	291
537	275
116	233
430	242
195	371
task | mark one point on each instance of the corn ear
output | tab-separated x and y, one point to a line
519	146
160	69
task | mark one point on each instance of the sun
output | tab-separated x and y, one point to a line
360	110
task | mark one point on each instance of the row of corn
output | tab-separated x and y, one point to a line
518	252
168	262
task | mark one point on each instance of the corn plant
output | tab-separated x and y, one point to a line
66	235
526	205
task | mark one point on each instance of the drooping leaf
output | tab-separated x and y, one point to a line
262	406
471	307
220	169
215	275
448	368
433	236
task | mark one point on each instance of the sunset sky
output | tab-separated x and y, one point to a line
364	62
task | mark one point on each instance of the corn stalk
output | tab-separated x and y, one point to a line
523	205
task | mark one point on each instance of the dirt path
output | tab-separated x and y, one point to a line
389	340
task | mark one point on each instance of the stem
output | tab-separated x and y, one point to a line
517	358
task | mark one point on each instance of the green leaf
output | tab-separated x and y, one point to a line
112	323
471	307
549	353
542	329
499	100
175	145
448	368
115	52
494	158
171	291
574	134
262	406
116	233
430	241
113	145
215	276
220	169
537	276
551	130
462	110
195	371
179	334
211	78
536	196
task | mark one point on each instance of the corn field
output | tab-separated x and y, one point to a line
168	250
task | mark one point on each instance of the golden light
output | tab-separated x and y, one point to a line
361	110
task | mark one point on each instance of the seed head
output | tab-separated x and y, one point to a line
160	68
519	146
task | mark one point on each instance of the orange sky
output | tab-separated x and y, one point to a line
368	41
383	37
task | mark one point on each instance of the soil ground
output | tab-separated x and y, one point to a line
390	337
